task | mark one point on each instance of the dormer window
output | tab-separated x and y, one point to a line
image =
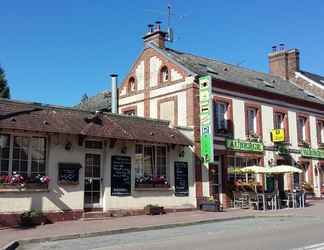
131	85
164	74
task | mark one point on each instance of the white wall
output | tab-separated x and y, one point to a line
140	73
139	199
239	119
58	198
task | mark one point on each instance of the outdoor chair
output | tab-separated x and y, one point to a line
239	200
254	201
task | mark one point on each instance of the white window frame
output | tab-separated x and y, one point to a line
29	157
165	74
321	132
303	127
219	117
281	116
140	172
254	122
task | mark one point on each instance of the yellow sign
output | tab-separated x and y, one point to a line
278	135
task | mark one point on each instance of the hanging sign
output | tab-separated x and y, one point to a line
312	153
246	146
206	121
278	135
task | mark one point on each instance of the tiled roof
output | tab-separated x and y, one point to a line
99	102
53	119
239	75
316	78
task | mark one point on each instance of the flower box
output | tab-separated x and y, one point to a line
161	185
4	187
154	210
144	185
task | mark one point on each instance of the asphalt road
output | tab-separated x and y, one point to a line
260	233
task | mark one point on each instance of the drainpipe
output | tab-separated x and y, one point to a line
114	94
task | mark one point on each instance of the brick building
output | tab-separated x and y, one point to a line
286	64
163	83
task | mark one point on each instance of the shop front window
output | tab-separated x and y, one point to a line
234	169
22	155
4	154
151	166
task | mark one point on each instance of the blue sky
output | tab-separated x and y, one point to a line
55	51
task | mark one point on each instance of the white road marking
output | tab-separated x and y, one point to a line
319	246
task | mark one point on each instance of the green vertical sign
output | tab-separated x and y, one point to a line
206	119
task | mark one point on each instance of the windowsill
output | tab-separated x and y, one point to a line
321	145
28	188
303	145
226	135
154	189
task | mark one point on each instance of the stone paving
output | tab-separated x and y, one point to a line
93	227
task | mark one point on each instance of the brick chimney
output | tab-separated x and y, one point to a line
155	35
283	62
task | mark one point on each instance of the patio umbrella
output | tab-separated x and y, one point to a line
234	170
281	169
254	169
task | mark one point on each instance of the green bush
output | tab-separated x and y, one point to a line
32	217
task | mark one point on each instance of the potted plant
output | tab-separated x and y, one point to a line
308	188
32	218
153	210
160	182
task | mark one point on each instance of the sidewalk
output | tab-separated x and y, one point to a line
76	229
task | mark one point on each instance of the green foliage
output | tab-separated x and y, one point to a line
4	88
31	218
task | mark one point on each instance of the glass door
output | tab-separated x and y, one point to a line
92	181
214	181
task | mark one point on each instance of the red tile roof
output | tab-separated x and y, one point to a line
53	119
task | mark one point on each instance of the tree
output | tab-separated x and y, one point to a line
4	88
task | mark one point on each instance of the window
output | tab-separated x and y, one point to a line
236	163
221	115
20	155
252	120
4	154
131	85
279	119
301	128
150	163
38	152
168	109
94	144
320	131
24	155
130	112
164	74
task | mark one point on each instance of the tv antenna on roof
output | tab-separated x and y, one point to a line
169	13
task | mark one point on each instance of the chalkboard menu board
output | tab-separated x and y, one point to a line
181	178
68	173
120	175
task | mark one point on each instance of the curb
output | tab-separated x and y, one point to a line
15	244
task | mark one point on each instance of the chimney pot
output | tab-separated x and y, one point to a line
281	46
150	28
157	25
114	94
